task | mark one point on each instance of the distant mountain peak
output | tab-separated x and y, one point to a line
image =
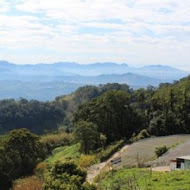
109	64
161	66
5	62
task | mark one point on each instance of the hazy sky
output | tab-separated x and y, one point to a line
137	32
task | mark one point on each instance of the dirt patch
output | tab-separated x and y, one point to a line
161	169
95	169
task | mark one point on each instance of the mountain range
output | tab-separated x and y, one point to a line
46	81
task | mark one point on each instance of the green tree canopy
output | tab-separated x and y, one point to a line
112	114
87	134
34	115
67	176
24	150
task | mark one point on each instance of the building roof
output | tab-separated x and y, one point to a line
184	157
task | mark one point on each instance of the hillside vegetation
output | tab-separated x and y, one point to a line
162	111
143	179
87	127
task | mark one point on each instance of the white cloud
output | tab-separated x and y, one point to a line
134	31
4	6
76	10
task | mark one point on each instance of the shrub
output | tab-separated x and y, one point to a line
161	150
111	149
103	140
142	135
52	141
65	176
87	160
28	183
40	169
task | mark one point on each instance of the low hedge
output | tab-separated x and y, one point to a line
110	150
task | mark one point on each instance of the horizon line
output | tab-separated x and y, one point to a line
92	63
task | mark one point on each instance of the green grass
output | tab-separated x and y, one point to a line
64	154
142	179
72	152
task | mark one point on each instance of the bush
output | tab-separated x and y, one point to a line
87	160
142	135
52	141
28	183
111	149
161	150
40	169
65	176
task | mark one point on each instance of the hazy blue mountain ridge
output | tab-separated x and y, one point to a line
46	81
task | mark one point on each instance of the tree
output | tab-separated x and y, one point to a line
112	114
5	171
87	134
69	168
24	150
67	176
103	140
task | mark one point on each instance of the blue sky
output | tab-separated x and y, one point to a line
136	32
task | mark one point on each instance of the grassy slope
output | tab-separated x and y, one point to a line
142	178
72	152
64	153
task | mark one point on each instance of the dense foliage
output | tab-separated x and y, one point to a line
86	94
142	135
162	111
87	134
28	183
54	140
33	115
110	150
19	156
67	176
112	114
159	151
40	117
121	114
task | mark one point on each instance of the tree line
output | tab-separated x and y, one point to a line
112	107
40	117
34	115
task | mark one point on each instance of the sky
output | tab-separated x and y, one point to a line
136	32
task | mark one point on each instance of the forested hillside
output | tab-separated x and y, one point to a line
36	116
40	117
162	111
